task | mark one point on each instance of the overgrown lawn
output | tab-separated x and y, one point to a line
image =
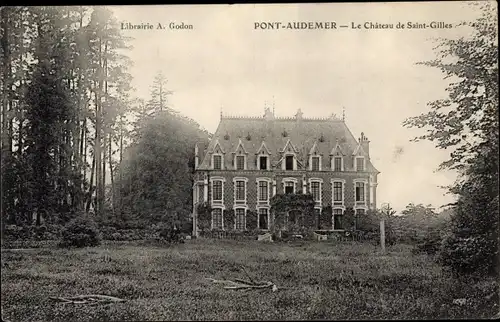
320	280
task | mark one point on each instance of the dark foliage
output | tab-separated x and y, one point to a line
81	231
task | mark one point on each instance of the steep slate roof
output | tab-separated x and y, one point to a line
303	133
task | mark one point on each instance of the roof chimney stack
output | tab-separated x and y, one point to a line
365	143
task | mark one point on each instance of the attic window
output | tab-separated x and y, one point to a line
249	137
226	137
284	133
321	138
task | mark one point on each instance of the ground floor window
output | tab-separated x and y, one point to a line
217	218
263	218
338	215
240	219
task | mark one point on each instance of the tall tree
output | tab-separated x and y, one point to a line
467	122
109	65
159	95
157	169
49	106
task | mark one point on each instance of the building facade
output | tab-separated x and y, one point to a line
251	159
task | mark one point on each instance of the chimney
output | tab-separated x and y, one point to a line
365	144
196	156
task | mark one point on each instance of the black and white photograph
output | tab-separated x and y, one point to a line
266	161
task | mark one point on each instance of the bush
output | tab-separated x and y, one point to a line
465	255
81	231
42	232
170	234
431	243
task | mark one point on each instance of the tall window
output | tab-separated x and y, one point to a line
240	219
240	162
315	164
337	193
360	164
240	190
263	191
315	190
201	193
289	162
337	164
217	218
263	218
263	163
337	218
360	191
217	162
217	190
289	187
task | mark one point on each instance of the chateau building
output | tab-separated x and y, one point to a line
251	159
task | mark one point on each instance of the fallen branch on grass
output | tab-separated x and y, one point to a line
88	299
240	284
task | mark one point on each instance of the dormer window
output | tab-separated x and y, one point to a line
263	157
360	164
263	163
315	163
217	162
240	162
289	162
217	157
337	163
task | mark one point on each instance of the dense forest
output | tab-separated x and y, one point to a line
74	138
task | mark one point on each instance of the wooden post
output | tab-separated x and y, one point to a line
382	235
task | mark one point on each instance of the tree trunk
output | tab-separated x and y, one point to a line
6	95
112	177
91	190
83	150
120	202
97	154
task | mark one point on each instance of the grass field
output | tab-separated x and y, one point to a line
322	281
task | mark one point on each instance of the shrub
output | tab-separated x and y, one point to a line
325	219
251	220
170	234
465	255
472	245
81	231
228	219
431	243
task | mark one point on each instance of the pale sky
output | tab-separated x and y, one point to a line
224	62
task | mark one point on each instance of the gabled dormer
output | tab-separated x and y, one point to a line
217	157
314	158
337	156
289	158
263	157
240	157
359	157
